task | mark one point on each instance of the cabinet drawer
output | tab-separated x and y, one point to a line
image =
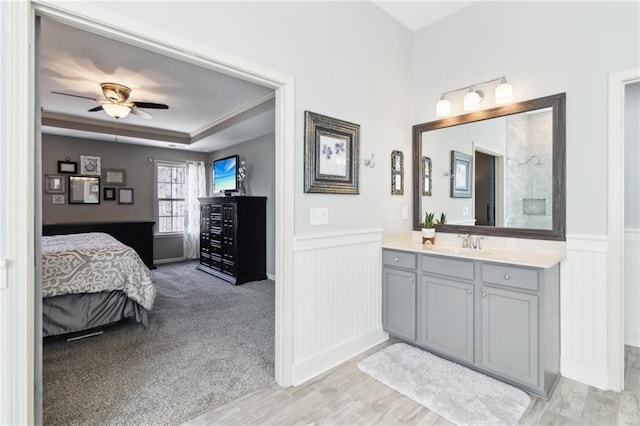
447	266
399	259
510	276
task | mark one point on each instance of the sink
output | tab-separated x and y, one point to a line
462	251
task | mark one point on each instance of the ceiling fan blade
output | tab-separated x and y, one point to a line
150	105
94	109
75	96
139	112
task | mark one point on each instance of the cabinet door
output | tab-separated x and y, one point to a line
399	303
510	334
447	317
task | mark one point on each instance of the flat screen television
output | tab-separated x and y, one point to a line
225	174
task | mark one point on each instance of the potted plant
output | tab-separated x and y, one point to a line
442	220
428	231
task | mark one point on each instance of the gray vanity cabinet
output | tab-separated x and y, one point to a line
447	318
498	318
510	334
399	294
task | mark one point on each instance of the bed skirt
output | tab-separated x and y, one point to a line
76	312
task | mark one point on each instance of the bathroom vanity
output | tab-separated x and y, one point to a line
496	311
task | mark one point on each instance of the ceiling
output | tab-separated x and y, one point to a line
207	111
417	14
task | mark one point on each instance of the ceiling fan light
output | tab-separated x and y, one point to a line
116	110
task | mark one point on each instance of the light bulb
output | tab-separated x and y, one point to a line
471	100
504	93
443	108
116	110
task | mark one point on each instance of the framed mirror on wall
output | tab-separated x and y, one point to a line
499	171
84	190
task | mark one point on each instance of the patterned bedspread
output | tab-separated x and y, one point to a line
91	263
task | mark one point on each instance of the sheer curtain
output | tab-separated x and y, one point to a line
196	187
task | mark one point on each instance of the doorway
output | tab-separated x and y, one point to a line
147	38
616	219
485	199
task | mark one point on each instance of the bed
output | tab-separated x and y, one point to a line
90	280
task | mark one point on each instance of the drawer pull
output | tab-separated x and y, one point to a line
507	276
484	294
411	280
468	291
396	259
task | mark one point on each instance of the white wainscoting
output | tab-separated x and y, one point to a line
583	310
338	299
632	287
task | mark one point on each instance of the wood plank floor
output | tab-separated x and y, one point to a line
346	396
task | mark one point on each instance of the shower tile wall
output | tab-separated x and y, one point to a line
530	159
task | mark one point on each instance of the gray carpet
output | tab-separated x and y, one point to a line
208	342
460	395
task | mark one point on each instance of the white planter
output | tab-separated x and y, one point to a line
428	232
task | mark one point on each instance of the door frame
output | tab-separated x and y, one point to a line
18	84
500	201
615	226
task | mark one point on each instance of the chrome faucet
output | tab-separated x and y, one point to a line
471	242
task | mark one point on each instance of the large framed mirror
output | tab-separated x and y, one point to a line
518	172
84	190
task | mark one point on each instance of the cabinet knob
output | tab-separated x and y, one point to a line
507	276
396	259
468	291
411	280
484	294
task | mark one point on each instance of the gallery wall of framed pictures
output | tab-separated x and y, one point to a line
87	182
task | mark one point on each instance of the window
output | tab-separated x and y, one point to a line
171	197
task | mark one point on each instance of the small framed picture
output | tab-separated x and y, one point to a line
125	195
54	184
116	177
68	167
58	199
461	172
109	194
90	165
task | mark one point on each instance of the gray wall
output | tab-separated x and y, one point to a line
260	156
140	177
632	156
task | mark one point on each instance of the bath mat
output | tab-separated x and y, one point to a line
460	395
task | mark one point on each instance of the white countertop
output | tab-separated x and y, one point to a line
501	250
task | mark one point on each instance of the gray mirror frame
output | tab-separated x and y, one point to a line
558	104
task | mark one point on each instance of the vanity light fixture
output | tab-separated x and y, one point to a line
472	100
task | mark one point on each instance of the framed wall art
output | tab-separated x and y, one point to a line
397	173
331	155
54	184
461	172
67	166
90	165
116	177
125	195
109	194
426	176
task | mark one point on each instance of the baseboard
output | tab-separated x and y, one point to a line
632	336
594	375
324	361
272	277
169	260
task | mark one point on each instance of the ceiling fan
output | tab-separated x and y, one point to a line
116	105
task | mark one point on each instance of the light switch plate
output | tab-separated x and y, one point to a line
318	216
405	212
